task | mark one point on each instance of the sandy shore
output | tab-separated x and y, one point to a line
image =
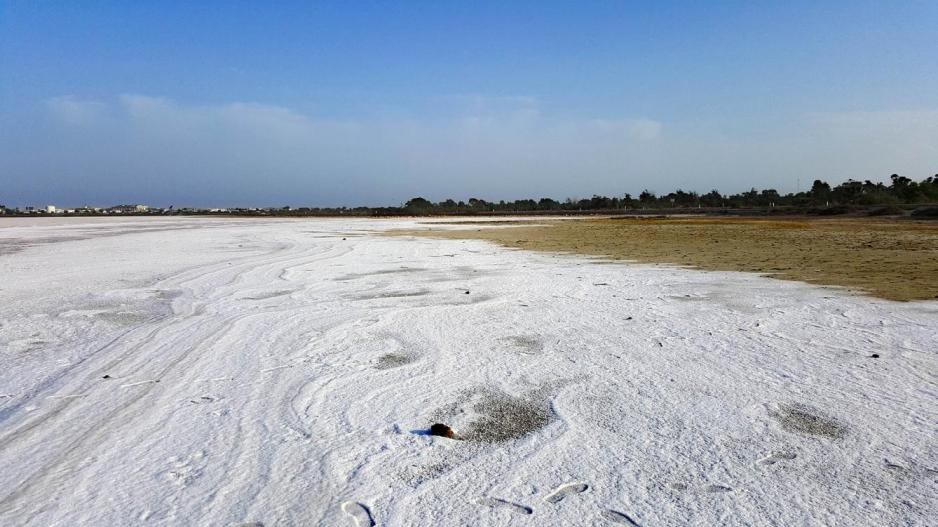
894	260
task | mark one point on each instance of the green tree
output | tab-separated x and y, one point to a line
418	205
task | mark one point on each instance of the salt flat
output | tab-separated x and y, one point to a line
197	371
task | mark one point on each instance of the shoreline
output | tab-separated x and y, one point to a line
887	258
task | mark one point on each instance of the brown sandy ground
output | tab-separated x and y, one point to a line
890	259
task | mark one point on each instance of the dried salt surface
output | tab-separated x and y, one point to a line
330	347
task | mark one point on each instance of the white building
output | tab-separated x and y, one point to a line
129	209
50	209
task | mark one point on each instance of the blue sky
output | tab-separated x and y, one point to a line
235	103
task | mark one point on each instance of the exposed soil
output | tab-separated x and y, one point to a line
393	360
496	417
806	420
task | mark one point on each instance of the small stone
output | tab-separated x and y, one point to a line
106	377
439	429
875	355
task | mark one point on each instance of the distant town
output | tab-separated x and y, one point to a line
52	209
136	208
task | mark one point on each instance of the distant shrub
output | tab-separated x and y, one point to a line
889	210
877	198
836	210
926	212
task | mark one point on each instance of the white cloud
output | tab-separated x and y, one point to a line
644	129
72	111
478	145
489	147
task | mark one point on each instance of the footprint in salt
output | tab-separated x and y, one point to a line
777	457
496	503
565	490
618	517
717	489
205	399
359	513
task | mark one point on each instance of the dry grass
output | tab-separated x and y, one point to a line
895	260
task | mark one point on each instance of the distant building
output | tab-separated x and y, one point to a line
50	209
129	209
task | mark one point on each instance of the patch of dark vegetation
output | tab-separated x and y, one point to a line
889	210
801	418
925	212
393	360
497	417
835	210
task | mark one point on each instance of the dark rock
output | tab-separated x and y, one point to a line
439	429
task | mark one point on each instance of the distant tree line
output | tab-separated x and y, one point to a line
900	190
